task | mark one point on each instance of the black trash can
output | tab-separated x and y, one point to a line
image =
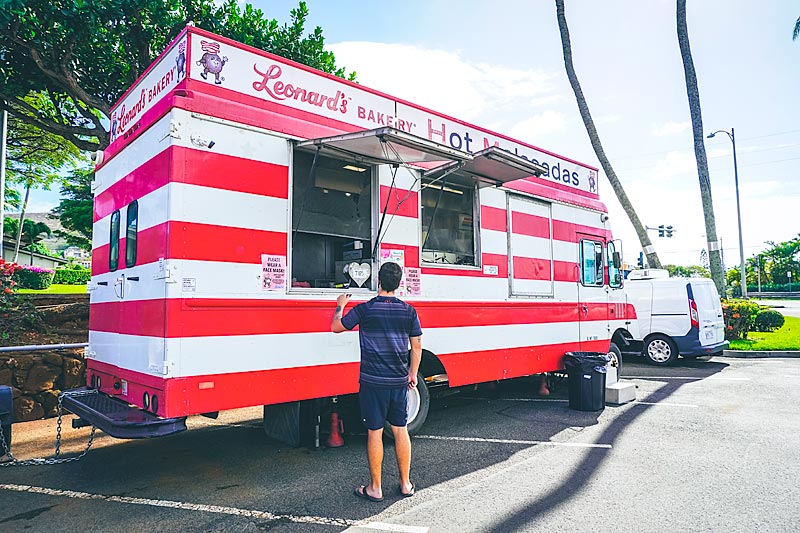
6	417
587	380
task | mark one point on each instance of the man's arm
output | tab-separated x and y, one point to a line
336	321
416	357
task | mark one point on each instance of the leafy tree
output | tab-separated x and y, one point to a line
583	107
81	56
714	257
75	209
691	271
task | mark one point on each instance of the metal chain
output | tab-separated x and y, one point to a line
53	460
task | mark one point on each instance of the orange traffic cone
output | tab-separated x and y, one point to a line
335	439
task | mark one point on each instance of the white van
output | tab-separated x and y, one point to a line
675	316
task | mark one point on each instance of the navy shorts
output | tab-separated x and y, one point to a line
382	404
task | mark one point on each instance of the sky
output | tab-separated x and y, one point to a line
499	65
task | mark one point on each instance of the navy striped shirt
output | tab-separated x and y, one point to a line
385	325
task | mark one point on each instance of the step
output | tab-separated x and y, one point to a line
118	418
620	392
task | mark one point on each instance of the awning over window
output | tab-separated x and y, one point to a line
492	167
385	146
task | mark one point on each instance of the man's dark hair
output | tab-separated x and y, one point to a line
389	275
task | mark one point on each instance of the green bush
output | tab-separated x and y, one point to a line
740	317
768	320
33	277
75	275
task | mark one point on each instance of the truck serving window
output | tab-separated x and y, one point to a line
332	219
448	222
592	263
130	233
113	242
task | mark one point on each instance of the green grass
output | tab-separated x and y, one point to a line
785	338
56	289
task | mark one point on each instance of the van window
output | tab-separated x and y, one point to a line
130	233
332	220
113	242
614	271
591	263
448	222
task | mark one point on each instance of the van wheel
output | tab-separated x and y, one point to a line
660	350
419	402
616	358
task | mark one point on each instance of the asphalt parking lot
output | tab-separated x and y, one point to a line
708	445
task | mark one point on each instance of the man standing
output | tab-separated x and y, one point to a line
386	327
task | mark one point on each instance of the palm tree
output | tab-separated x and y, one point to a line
714	259
796	31
644	239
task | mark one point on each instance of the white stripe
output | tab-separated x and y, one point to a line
492	197
384	526
218	509
687	377
404	179
583	217
399	229
514	441
494	242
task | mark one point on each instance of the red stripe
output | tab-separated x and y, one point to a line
532	225
411	252
202	317
195	167
494	218
200	242
551	190
567	231
401	202
530	268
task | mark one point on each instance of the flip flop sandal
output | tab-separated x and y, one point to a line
406	494
361	492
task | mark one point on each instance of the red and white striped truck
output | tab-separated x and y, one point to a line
242	192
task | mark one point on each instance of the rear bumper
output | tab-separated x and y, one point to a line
690	346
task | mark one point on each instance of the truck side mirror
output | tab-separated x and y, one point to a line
617	260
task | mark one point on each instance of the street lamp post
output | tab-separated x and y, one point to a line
731	136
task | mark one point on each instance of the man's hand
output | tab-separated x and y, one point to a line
336	321
412	381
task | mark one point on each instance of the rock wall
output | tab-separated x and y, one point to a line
37	378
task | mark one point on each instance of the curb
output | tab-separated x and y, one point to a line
744	354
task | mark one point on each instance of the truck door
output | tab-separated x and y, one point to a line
592	294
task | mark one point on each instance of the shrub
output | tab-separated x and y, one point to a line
7	283
33	277
74	275
740	317
768	320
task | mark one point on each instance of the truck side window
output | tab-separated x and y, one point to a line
614	267
448	223
591	263
332	220
131	233
113	242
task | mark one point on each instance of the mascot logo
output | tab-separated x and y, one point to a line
211	61
592	181
180	61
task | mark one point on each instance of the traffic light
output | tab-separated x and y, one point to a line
669	231
640	262
661	230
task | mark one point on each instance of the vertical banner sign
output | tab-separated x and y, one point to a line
273	272
413	281
399	257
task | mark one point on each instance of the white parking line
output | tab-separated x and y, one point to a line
665	404
556	400
321	520
686	377
514	441
385	526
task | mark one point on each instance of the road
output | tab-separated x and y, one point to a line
785	307
707	446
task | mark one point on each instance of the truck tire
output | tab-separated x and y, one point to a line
616	356
419	402
660	350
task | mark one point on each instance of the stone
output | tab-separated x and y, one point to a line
16	392
49	401
40	378
52	358
27	409
73	374
6	374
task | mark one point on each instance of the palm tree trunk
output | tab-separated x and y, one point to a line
21	218
644	238
714	259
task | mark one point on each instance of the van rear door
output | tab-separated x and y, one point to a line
709	311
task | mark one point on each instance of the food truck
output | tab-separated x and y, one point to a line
242	192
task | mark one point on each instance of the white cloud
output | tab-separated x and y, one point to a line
538	125
670	128
444	81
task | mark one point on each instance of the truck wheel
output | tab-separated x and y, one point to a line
419	401
616	358
660	350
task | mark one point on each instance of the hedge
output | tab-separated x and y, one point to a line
72	276
33	277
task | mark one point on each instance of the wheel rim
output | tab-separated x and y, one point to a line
413	403
659	351
614	359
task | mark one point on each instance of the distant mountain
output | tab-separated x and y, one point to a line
54	243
